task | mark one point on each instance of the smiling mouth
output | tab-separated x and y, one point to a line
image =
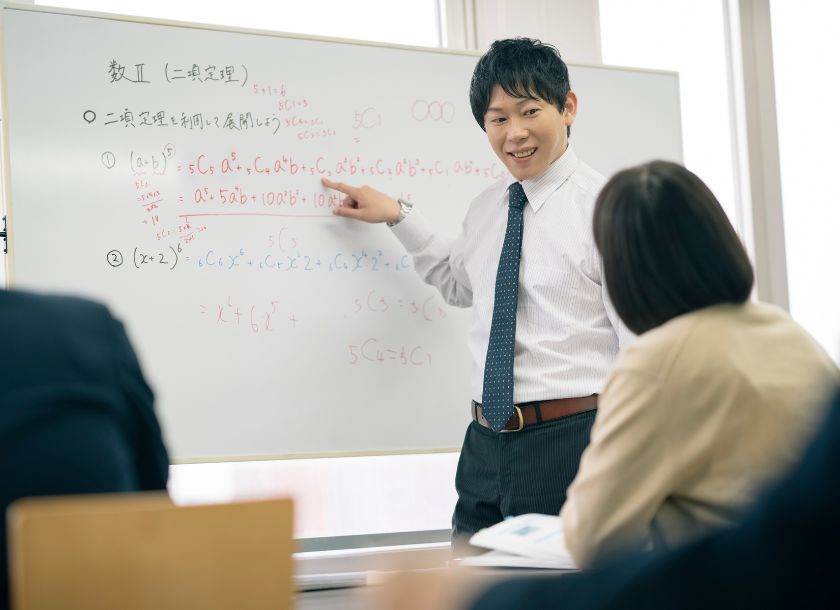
523	154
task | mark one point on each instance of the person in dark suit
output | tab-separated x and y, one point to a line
782	554
76	414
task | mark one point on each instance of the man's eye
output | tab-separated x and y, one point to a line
531	111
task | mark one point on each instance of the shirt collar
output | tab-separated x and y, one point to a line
539	189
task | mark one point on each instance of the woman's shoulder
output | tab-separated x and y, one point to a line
651	350
697	333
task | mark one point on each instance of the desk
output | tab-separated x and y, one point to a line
357	598
353	598
342	574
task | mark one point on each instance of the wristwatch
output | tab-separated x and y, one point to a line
405	208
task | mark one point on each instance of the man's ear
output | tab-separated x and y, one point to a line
571	108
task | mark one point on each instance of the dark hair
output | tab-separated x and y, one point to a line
667	245
522	67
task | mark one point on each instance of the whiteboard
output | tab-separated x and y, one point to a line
172	171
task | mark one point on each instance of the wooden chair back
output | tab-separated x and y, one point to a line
141	552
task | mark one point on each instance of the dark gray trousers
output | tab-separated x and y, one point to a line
506	474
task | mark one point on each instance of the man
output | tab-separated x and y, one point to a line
543	332
76	413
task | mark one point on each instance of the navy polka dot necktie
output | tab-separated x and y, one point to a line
497	396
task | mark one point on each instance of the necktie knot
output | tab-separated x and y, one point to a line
516	196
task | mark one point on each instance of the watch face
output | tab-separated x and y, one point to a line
405	208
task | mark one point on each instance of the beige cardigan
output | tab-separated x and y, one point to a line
695	417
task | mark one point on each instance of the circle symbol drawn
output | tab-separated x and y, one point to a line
109	160
115	258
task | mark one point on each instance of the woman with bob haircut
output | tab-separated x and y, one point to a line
716	397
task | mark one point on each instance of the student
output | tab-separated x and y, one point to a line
543	333
716	397
782	555
76	414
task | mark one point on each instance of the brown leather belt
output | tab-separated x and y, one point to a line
531	413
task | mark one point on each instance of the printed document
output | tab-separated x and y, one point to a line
532	540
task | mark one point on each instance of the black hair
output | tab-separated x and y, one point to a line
668	247
522	67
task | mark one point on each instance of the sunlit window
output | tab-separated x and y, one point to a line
410	22
805	52
335	496
687	37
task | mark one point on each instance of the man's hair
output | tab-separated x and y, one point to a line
522	67
668	247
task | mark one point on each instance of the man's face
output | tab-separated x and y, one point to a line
527	134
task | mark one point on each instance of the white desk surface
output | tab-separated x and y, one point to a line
357	598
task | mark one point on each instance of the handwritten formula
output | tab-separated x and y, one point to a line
188	200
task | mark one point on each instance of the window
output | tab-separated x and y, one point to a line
410	22
687	37
805	52
335	496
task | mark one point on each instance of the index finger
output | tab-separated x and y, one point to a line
339	186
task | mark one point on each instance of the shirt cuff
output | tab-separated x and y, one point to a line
414	232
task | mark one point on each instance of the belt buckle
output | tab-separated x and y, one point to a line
521	420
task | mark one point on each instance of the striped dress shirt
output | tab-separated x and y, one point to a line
567	332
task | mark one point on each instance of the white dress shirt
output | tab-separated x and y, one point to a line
567	332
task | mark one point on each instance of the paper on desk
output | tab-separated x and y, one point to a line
534	536
501	559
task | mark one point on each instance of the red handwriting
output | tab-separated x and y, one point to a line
269	89
373	351
236	194
429	309
282	239
423	110
367	119
256	318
